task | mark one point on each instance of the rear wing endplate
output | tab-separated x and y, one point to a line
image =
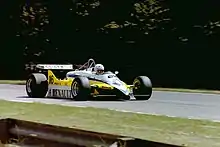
55	66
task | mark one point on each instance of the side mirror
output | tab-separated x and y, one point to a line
116	72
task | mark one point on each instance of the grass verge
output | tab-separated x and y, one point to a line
19	82
187	90
22	82
195	133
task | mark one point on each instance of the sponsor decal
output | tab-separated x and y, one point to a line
117	82
59	93
104	87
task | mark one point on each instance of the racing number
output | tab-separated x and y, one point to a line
51	81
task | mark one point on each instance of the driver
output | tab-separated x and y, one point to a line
99	69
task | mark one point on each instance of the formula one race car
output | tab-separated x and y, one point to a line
83	83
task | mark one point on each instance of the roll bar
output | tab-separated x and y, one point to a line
89	64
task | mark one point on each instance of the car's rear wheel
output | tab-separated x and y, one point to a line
142	88
37	85
80	89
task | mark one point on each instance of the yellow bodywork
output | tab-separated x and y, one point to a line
53	80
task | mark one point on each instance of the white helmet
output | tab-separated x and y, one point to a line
99	68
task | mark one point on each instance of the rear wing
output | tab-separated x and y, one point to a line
55	66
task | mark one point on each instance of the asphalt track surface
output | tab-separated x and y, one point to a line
175	104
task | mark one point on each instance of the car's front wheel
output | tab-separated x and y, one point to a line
142	88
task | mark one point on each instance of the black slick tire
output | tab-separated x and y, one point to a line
142	88
80	89
36	85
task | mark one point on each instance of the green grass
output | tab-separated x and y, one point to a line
195	133
187	90
22	82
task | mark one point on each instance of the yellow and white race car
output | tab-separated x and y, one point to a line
83	83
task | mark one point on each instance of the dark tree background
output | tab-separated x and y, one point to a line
175	43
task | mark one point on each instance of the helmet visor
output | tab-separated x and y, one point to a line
100	71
